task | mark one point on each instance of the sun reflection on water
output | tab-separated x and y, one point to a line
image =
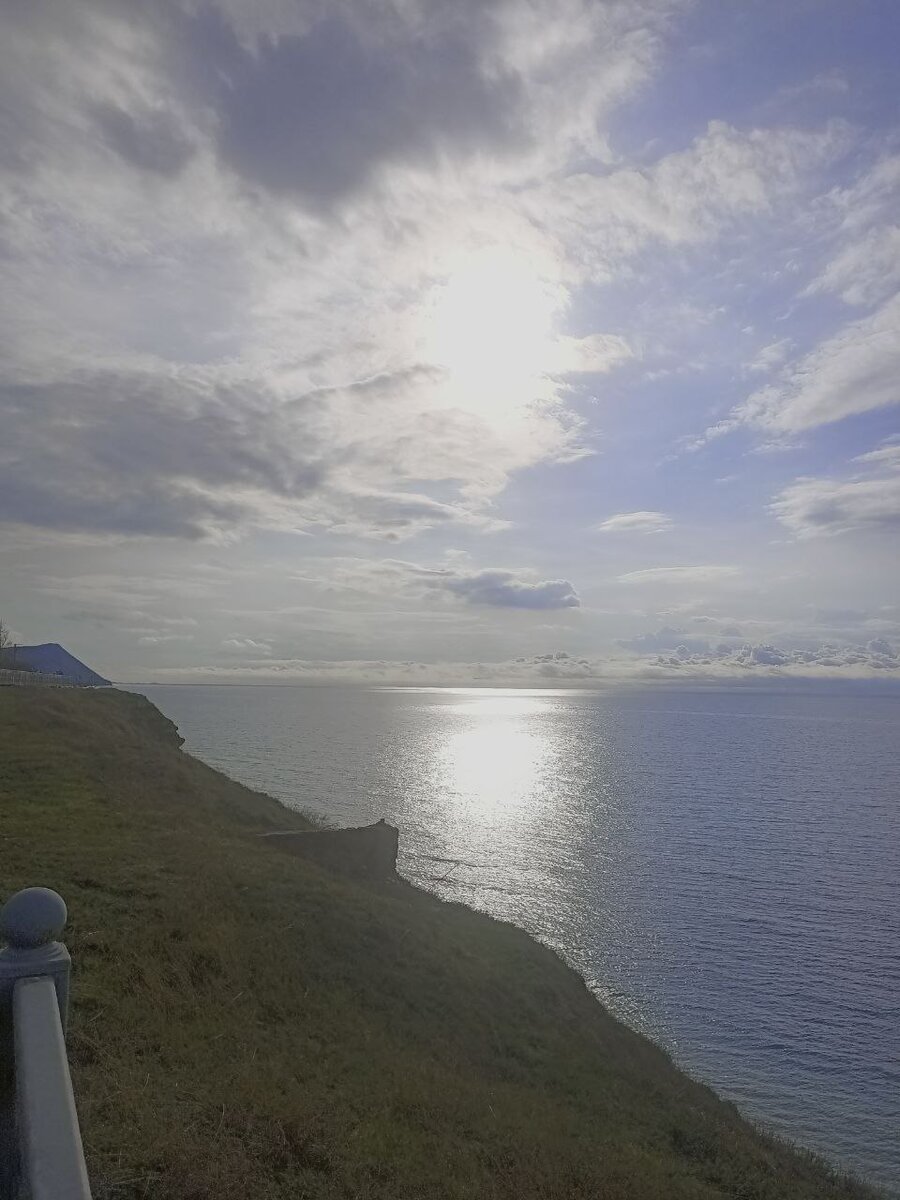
496	755
494	765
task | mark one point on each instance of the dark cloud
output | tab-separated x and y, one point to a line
315	115
127	452
672	647
163	510
151	142
182	453
310	110
877	655
882	647
492	586
508	589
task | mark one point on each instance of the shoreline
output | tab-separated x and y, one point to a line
778	1099
514	1017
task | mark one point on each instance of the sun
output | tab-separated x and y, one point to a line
491	325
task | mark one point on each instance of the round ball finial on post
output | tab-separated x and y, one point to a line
30	924
32	918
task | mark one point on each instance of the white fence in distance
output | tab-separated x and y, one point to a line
10	678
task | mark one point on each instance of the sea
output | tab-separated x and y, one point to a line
721	865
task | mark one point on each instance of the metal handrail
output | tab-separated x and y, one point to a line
42	1139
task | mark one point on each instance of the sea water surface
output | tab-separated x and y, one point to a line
722	866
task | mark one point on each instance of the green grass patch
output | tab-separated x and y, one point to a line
246	1024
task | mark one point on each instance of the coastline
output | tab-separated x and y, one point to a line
383	976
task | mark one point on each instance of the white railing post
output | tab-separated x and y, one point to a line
39	1136
51	1157
30	923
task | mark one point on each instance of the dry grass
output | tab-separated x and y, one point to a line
248	1025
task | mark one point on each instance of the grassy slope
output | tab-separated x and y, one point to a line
247	1025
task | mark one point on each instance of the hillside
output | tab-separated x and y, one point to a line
52	659
246	1024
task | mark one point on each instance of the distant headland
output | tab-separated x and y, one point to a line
50	658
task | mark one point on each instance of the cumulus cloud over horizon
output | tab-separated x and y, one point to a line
874	658
745	663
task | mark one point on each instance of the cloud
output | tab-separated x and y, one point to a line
746	664
644	521
854	371
246	645
493	587
883	648
395	515
230	234
723	626
771	356
321	104
876	658
159	639
315	114
686	198
192	352
595	354
816	507
176	455
865	271
667	638
682	575
865	265
152	141
555	669
886	457
229	227
827	506
507	589
193	453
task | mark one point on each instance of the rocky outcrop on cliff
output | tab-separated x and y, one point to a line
367	851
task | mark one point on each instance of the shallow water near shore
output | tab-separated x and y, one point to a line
721	866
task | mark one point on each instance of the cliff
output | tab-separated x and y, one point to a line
249	1022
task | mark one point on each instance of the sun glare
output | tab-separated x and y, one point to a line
491	326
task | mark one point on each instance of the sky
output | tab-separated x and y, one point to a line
500	341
